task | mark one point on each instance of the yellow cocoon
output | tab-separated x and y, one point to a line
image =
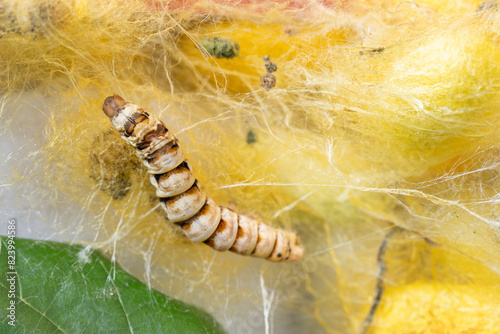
385	117
443	291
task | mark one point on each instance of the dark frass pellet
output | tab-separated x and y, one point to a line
267	81
251	137
220	47
270	66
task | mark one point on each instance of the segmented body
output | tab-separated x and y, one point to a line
200	218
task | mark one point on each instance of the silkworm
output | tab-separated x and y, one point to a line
180	194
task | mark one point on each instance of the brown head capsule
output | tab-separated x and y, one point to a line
111	104
181	196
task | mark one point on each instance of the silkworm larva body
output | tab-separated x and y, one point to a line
181	196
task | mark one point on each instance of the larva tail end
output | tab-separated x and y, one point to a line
287	248
111	104
296	250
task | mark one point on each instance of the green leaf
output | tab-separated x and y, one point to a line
68	289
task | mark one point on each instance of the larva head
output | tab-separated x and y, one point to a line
124	116
111	104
